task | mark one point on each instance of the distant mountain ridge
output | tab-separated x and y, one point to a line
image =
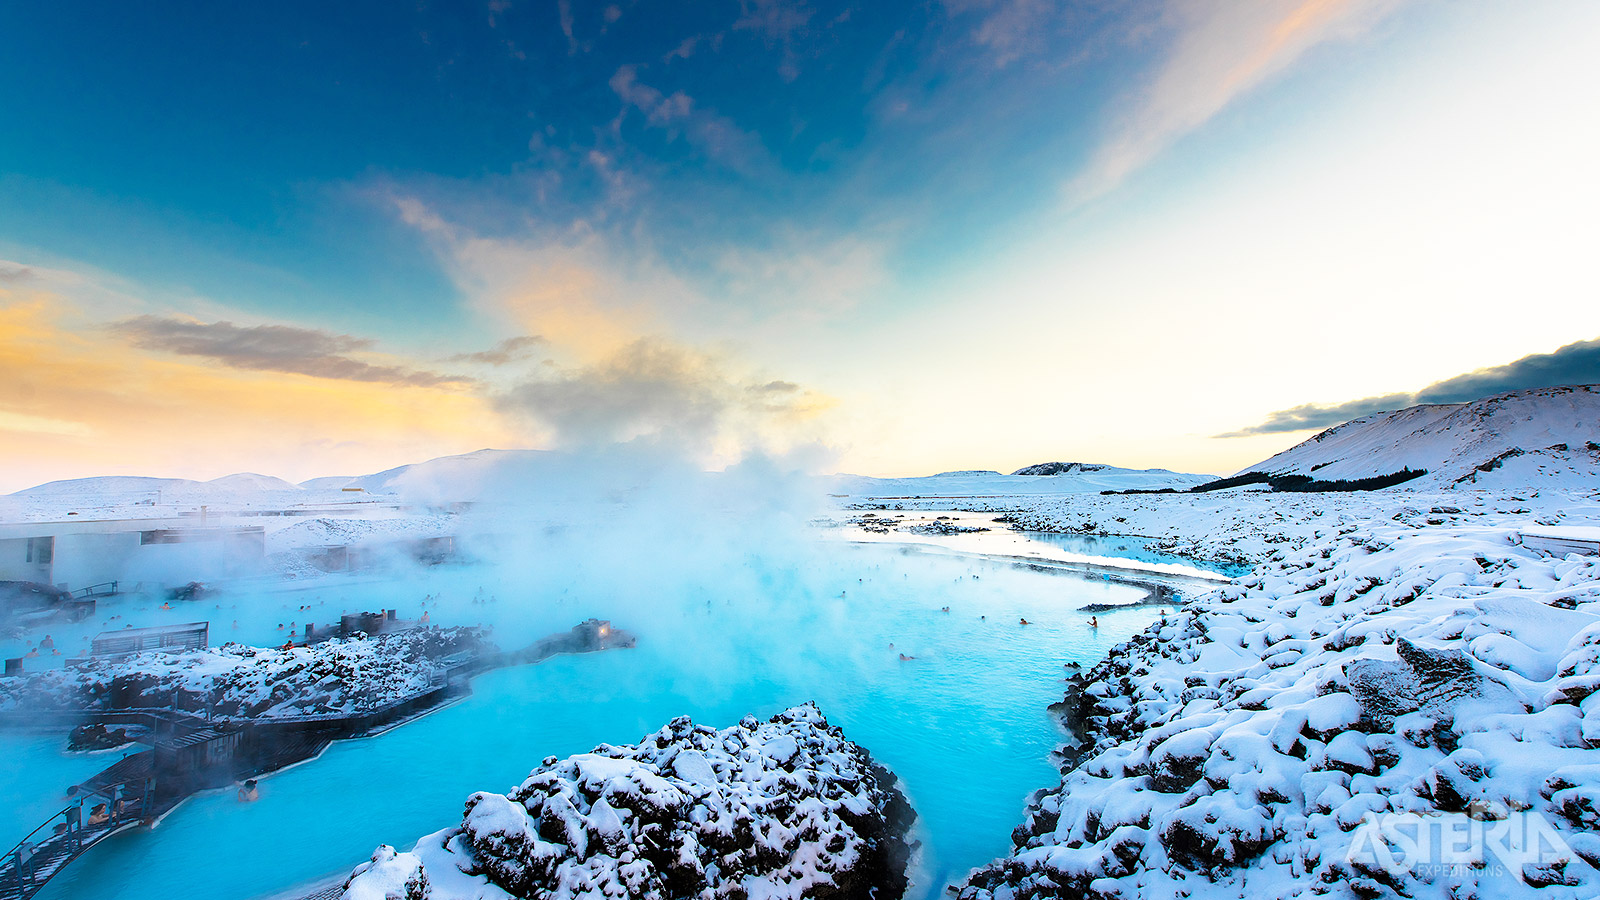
173	488
1506	440
1059	478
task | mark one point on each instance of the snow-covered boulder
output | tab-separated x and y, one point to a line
786	808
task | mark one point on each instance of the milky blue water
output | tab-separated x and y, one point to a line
1128	547
964	724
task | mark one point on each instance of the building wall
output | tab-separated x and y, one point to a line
83	554
88	559
15	564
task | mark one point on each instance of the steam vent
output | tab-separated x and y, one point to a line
786	808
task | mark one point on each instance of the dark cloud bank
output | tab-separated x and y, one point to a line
1577	363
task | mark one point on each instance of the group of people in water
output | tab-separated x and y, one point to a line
48	645
1094	623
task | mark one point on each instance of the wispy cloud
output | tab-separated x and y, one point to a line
1576	363
272	348
718	137
1010	30
1221	51
781	23
507	351
564	11
15	274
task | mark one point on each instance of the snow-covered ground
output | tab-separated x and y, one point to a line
786	808
342	675
1395	660
1395	657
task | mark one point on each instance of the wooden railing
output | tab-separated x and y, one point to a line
66	835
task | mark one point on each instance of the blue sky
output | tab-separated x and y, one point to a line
235	149
916	236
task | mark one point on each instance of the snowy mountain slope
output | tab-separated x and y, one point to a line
1083	479
328	482
1506	440
250	481
459	477
104	485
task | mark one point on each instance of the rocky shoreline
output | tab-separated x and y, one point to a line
342	675
1387	665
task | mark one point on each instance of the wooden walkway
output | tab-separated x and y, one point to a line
126	789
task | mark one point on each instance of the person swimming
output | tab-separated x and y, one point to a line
905	658
248	793
1025	622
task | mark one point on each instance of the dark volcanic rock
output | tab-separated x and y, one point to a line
1057	468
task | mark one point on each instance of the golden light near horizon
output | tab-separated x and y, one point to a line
78	403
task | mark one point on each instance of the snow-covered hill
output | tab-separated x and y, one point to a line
457	477
1079	479
250	481
1508	440
180	489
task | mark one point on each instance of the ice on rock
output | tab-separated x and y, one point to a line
783	809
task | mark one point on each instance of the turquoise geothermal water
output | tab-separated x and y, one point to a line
1127	547
964	724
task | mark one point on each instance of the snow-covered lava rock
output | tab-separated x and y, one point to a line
1403	668
342	675
786	808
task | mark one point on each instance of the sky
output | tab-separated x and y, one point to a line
893	239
